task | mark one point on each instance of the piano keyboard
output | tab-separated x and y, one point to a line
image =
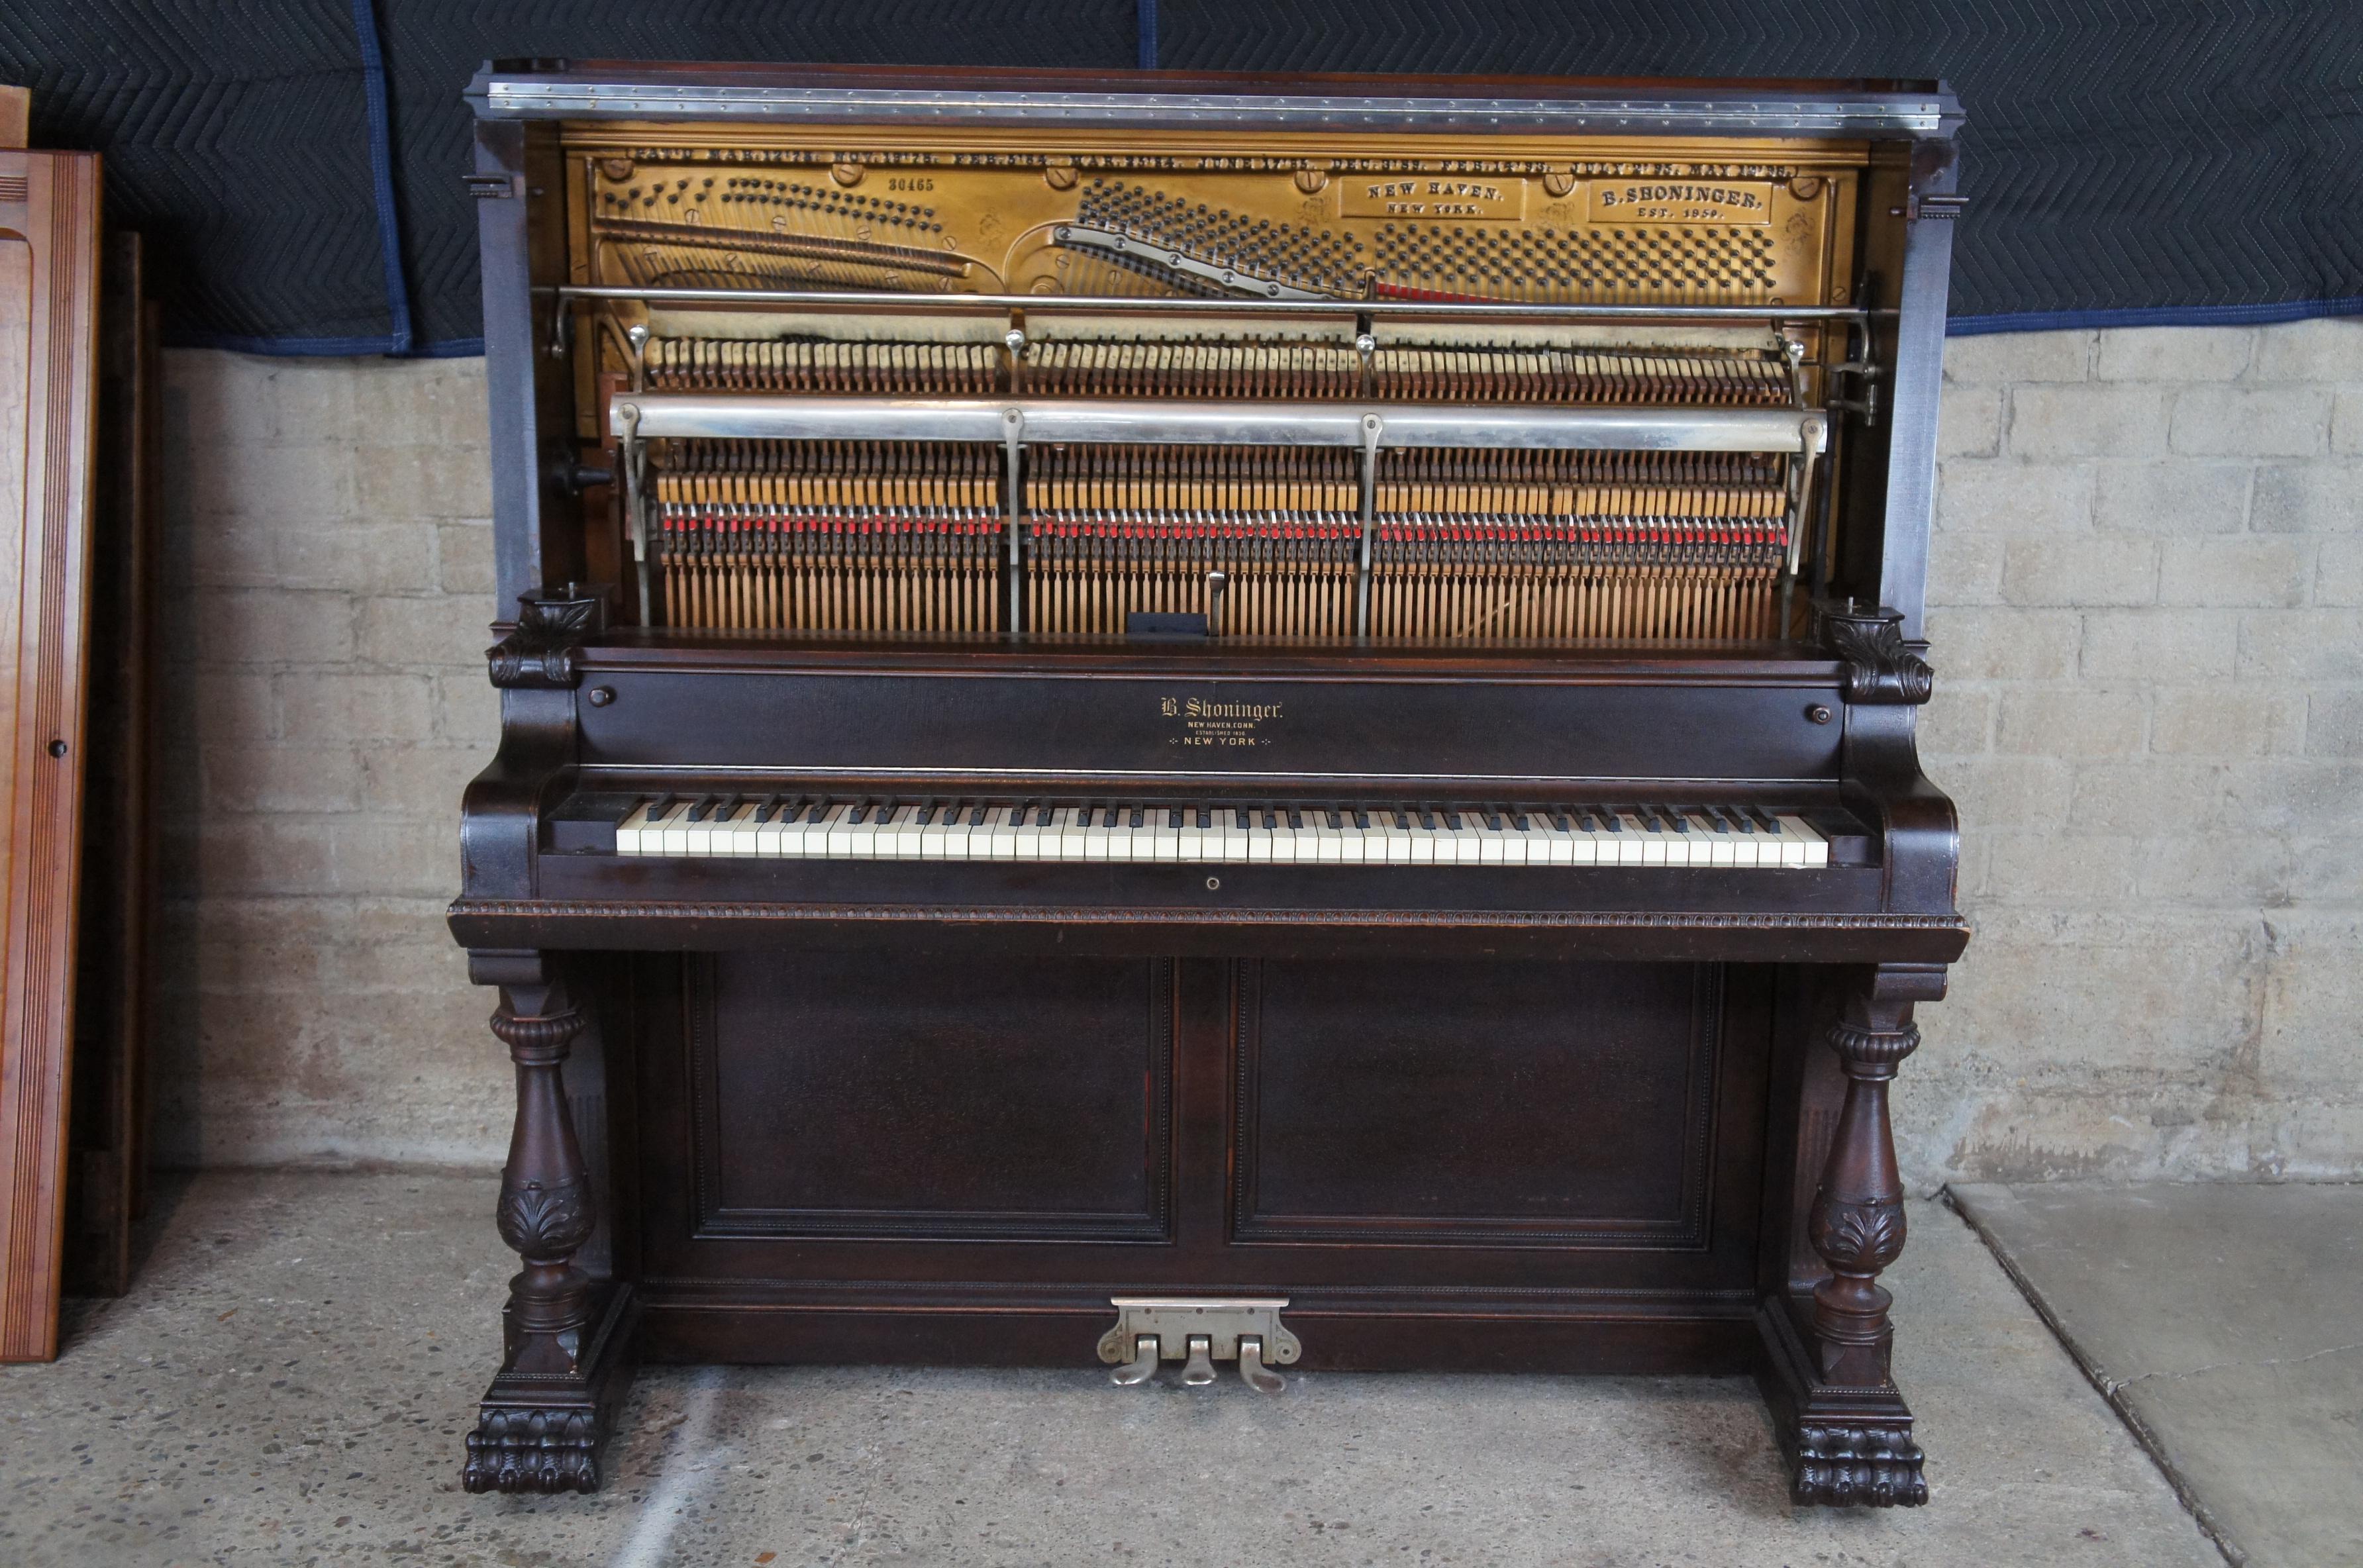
784	826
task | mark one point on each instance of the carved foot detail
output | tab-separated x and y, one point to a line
1862	1467
520	1448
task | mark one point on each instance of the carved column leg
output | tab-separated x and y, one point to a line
1851	1437
1857	1217
543	1419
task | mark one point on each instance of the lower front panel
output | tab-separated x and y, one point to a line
951	1158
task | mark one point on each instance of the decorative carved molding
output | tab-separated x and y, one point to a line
1866	1047
1068	914
540	652
526	1449
1858	1466
1881	667
536	1039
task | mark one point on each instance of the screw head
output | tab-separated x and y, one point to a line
1818	714
1214	883
57	748
602	695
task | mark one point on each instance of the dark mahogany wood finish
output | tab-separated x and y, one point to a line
1606	1120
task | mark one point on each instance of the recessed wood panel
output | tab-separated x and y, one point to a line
1476	1104
917	1097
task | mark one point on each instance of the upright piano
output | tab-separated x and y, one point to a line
1209	726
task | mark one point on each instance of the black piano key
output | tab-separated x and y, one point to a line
1336	821
1270	819
766	807
1244	823
1205	818
1722	822
1451	820
1135	817
1518	816
1559	821
1295	821
1610	819
1362	821
637	801
700	807
1173	817
1042	817
1493	815
1764	820
976	814
1680	819
1426	820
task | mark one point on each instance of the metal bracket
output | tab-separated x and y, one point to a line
492	187
1918	208
1198	1331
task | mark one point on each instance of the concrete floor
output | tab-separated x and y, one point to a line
289	1382
2227	1324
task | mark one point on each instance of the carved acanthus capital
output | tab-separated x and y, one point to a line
541	651
544	1219
1857	1237
1881	666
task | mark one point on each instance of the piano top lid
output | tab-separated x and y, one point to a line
555	89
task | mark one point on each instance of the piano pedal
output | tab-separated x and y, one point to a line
1198	1331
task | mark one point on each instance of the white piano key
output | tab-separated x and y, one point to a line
1000	833
905	831
628	832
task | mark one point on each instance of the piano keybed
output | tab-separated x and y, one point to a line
785	825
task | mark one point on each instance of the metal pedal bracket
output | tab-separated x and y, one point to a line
1199	1331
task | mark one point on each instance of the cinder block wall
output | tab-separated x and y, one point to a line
2149	652
2147	571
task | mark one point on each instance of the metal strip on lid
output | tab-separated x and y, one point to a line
1831	115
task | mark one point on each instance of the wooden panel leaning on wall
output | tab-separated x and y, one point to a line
49	382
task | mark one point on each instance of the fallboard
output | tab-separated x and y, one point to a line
1184	717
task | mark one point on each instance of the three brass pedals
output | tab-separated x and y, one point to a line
1198	1331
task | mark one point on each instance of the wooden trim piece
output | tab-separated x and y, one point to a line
52	367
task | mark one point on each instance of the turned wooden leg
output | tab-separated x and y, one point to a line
542	1422
1846	1427
545	1214
1858	1217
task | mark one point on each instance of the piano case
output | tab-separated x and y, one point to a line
1187	1117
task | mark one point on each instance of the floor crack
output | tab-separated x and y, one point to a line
2114	1384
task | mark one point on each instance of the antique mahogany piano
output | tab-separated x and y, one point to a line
1208	722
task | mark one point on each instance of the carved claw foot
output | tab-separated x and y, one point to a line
519	1449
1865	1467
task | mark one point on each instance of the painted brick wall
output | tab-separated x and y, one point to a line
2148	636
